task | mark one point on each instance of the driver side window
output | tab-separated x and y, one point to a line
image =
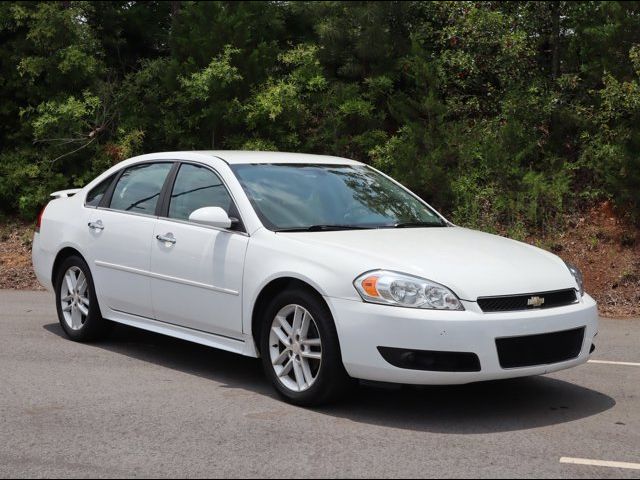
197	187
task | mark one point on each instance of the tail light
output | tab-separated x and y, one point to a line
39	221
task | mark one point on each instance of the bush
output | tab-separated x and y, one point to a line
504	115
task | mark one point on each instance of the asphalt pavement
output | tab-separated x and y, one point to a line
142	405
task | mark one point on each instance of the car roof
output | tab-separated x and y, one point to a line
239	156
235	157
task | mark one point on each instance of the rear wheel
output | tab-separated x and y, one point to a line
76	302
300	349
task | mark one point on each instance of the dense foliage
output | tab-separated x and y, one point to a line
499	113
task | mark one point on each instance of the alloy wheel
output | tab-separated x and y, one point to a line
295	348
74	298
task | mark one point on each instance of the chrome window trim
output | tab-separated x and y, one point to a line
208	227
176	220
173	220
226	186
116	177
84	200
135	214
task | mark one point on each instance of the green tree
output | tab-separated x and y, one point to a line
499	113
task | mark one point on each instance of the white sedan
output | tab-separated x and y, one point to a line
323	267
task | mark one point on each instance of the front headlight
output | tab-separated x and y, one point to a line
577	274
392	288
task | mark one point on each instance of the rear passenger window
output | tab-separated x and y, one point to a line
196	187
138	189
95	195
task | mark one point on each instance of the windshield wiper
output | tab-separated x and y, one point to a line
324	228
416	225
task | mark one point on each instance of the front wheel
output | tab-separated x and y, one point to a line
300	349
76	302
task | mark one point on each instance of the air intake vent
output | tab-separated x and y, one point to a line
544	349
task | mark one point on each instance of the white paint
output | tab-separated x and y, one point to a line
600	463
65	193
607	362
204	287
168	278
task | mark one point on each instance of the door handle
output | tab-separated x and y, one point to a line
96	225
168	238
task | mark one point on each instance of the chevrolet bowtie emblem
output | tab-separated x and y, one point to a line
535	301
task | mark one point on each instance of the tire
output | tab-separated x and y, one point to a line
77	307
324	379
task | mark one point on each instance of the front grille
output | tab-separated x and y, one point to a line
530	301
544	349
431	361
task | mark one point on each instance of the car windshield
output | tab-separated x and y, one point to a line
303	197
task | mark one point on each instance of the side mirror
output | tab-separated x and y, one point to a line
212	216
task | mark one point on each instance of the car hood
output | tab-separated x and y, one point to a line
471	263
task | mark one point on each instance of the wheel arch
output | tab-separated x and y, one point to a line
268	291
62	255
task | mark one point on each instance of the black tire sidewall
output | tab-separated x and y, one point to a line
94	325
333	379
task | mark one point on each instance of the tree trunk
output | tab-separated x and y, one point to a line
175	8
555	39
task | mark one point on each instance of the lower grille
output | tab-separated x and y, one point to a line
511	303
430	360
544	349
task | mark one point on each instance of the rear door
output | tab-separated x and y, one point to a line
121	232
197	275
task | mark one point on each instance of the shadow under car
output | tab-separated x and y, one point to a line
478	408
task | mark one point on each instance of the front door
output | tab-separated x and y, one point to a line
197	270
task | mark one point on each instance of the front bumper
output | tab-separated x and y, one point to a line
363	327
